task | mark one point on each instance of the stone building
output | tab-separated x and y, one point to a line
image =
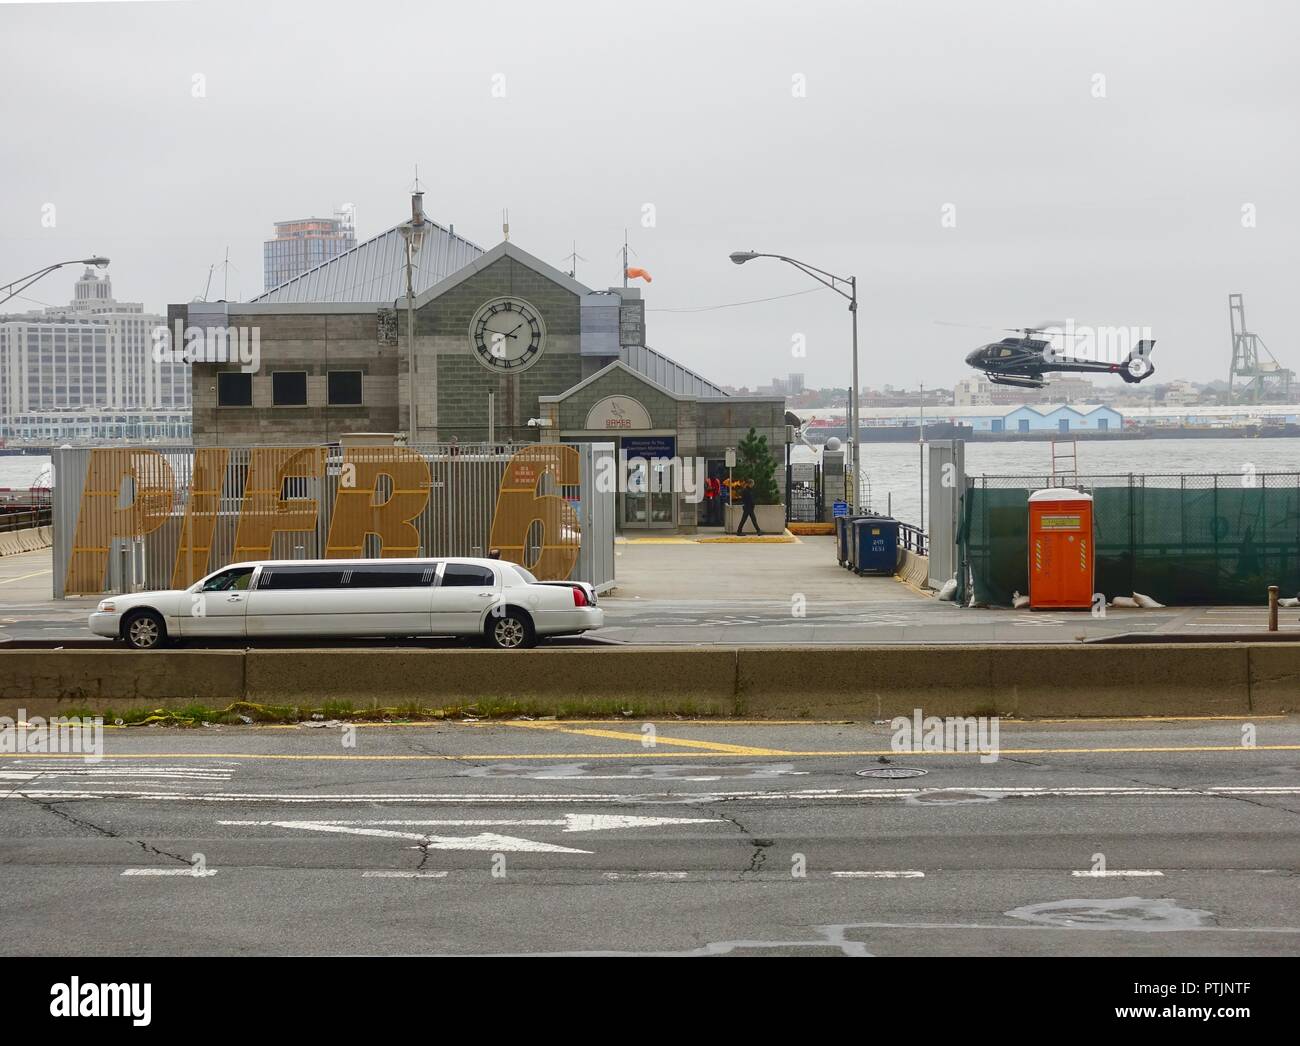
503	347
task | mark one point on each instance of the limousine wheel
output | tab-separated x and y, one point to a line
144	630
512	630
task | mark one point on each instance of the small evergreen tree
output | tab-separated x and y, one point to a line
755	464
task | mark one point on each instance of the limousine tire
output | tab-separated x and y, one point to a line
511	630
144	630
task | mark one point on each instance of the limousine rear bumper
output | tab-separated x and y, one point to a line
579	619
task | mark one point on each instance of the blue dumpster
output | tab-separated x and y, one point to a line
875	545
842	540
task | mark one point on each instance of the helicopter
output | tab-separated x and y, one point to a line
1024	360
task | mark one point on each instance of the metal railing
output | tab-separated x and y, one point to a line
24	520
913	539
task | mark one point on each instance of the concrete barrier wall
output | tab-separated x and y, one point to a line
33	539
863	682
913	568
572	679
45	681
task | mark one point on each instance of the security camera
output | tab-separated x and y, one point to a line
539	423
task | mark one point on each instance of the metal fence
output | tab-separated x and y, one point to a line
1182	538
162	517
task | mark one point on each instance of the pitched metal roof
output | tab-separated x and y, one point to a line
668	373
374	272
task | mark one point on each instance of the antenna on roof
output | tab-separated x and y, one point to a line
626	248
573	260
505	224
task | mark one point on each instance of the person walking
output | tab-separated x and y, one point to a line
747	502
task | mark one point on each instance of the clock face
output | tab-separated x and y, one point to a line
507	334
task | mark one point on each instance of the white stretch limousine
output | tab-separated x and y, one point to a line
485	598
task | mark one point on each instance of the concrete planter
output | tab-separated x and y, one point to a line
771	519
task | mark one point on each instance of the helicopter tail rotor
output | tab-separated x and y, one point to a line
1138	366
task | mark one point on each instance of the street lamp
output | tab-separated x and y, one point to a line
837	284
32	277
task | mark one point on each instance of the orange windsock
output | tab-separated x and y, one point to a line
632	274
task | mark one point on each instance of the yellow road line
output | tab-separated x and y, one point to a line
24	577
570	756
625	735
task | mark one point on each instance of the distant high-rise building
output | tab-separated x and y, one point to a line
97	355
794	384
305	243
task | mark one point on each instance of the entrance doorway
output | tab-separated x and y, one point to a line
649	500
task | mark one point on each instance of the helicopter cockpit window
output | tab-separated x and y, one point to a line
1005	352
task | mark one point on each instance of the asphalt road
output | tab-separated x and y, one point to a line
689	838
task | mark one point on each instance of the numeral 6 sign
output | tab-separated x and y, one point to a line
527	521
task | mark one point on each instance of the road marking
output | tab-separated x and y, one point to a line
193	873
878	875
626	735
490	841
687	798
652	876
403	875
24	577
569	822
597	756
1118	873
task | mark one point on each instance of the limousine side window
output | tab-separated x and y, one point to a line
278	579
229	580
392	575
467	575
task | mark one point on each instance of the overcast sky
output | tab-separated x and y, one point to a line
1109	202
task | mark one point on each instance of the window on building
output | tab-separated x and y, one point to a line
234	389
345	388
289	388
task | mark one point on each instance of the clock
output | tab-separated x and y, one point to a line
507	335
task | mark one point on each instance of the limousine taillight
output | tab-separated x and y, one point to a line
580	597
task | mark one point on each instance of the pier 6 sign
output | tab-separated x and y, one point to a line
130	494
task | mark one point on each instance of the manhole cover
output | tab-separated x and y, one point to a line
892	772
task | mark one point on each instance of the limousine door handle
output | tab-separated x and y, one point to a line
233	599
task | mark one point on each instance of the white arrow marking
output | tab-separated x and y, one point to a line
569	822
482	841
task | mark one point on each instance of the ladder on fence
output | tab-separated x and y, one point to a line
1065	463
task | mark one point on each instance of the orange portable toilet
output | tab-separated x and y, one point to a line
1060	549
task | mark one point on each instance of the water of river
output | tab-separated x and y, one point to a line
893	468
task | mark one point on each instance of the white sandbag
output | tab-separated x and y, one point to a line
1123	601
949	589
1289	602
1019	602
1145	601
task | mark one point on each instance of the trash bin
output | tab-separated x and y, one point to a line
875	545
842	539
844	548
1060	549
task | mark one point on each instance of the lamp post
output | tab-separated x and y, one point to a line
838	284
26	281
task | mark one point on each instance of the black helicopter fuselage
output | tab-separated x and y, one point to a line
1025	361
